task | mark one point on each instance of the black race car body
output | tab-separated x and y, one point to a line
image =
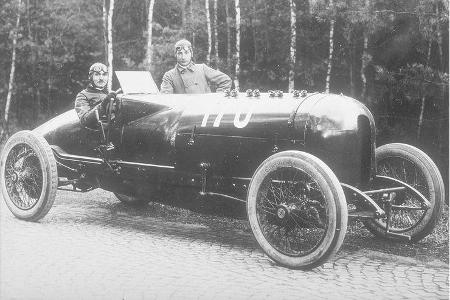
232	135
303	164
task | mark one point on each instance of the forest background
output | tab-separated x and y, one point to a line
392	55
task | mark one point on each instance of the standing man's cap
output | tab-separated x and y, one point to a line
183	44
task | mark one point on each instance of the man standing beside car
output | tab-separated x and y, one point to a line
90	103
190	78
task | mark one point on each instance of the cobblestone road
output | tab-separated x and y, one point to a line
96	248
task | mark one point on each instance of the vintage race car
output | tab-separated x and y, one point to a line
303	162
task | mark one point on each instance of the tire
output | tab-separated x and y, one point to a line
28	175
130	200
296	194
412	166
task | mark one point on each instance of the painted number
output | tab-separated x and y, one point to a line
238	123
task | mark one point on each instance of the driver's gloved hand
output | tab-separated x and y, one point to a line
111	94
107	99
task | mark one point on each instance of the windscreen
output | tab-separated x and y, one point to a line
137	82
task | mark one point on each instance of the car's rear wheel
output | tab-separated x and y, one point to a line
408	214
130	200
297	209
28	175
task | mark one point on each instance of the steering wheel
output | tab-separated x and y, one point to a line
113	107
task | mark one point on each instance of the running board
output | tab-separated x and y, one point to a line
63	156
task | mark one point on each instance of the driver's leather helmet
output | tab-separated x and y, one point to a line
98	68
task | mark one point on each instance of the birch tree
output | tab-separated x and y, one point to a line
255	48
422	90
364	63
293	47
216	36
228	20
443	123
266	30
110	44
208	26
330	52
439	34
185	18
15	34
238	44
149	53
105	27
430	29
366	58
350	38
33	59
191	12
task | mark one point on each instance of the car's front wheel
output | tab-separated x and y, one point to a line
28	175
297	209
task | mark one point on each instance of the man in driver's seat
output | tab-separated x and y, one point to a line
91	103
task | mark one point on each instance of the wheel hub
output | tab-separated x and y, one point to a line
282	212
14	177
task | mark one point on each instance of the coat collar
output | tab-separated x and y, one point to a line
90	88
189	67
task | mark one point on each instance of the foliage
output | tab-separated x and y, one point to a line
407	54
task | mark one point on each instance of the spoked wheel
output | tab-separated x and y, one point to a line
132	201
297	209
28	176
408	214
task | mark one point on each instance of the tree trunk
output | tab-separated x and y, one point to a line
110	44
37	78
293	47
422	105
50	76
184	16
5	132
439	39
208	27
331	51
330	57
191	12
28	19
255	48
443	122
216	36
309	5
228	17
35	87
266	31
149	33
364	63
105	28
238	44
366	57
351	65
422	109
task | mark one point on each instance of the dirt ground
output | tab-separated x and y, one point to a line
216	212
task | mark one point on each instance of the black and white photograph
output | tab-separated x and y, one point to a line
233	149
